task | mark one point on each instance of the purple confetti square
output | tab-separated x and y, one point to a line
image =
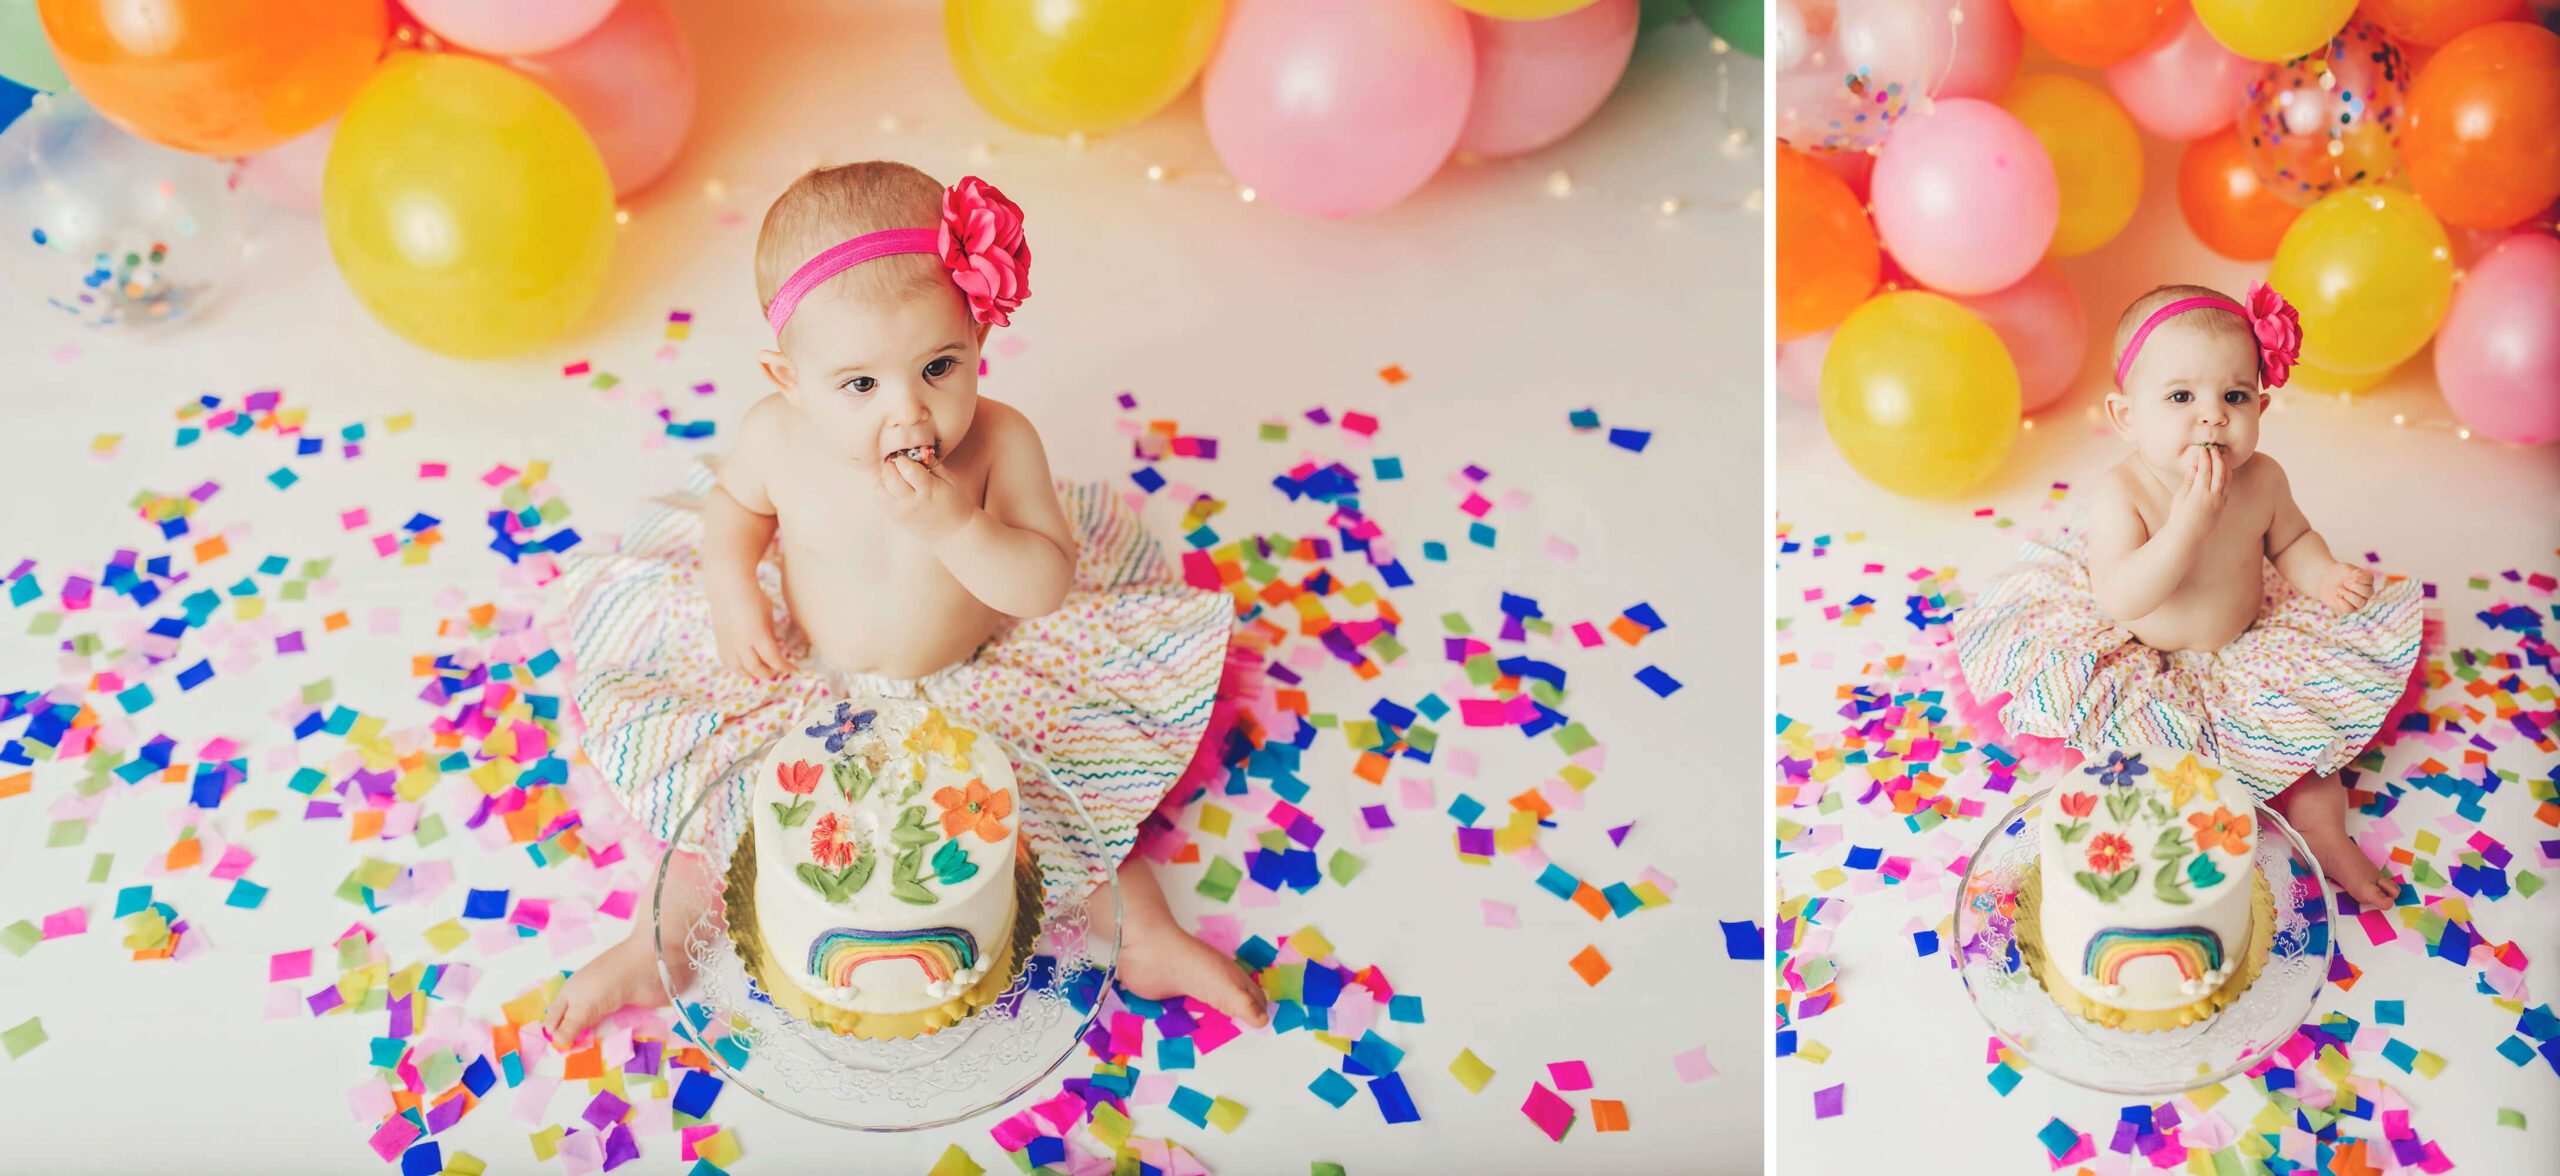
1827	1101
1475	842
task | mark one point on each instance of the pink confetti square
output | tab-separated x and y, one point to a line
69	922
1692	1065
1548	1110
1570	1076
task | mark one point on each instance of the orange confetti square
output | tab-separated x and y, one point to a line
186	854
1372	767
211	550
1608	1114
1591	966
1589	898
1189	853
586	1063
364	826
335	621
16	785
1629	631
1393	374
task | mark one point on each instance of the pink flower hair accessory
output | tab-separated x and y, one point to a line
2273	324
979	241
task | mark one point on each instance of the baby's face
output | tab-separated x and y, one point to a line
2188	389
877	379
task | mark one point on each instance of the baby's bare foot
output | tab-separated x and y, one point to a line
2317	807
625	975
1163	964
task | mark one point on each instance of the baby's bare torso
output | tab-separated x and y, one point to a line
872	598
2219	598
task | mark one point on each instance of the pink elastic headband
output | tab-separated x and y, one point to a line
2271	320
980	242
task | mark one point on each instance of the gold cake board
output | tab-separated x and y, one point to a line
747	933
2028	926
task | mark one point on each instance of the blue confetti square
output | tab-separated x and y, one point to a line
1393	1102
1332	1087
485	904
1631	440
1663	685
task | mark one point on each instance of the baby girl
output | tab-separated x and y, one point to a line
918	549
2200	610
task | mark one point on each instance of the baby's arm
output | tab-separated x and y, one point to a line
2302	557
1016	554
737	526
2134	571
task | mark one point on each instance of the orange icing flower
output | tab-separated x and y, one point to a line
799	777
2220	830
829	845
975	810
2108	853
2078	804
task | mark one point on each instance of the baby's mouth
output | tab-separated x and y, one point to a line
923	455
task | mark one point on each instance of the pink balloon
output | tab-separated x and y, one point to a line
288	174
1536	80
2498	353
1965	197
630	84
1800	366
2184	87
510	27
2046	330
1338	107
1981	56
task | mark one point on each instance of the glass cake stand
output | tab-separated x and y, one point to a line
932	1080
2248	1031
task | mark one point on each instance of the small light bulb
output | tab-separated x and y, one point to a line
1155	173
1559	183
1246	195
2465	434
889	123
982	152
622	216
2399	419
1075	140
1670	206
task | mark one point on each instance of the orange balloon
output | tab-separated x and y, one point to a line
1827	259
217	77
2098	33
2434	22
2482	143
2230	209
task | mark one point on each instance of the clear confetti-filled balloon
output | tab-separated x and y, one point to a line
1848	69
2328	120
107	228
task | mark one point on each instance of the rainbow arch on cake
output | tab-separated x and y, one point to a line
941	951
2195	951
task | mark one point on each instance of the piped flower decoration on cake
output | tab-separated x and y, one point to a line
937	736
2119	769
983	247
799	777
2077	806
847	724
2186	779
2221	829
829	845
974	809
2108	853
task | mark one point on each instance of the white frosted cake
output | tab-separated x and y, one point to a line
2149	897
885	844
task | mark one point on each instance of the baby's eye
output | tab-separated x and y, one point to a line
940	367
2235	396
861	384
2181	396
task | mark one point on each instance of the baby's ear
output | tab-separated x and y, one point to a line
777	368
2119	406
983	328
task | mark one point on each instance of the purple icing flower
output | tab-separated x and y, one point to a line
2117	772
847	724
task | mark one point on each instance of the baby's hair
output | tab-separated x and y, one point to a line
2220	323
827	206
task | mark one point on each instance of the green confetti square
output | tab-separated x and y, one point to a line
23	1038
1273	432
1344	867
99	865
19	937
66	833
1220	881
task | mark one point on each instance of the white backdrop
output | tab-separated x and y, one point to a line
1905	1042
1508	305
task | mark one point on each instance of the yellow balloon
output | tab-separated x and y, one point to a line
2371	272
1919	394
973	79
466	207
2097	157
1523	9
1093	66
2336	384
2273	30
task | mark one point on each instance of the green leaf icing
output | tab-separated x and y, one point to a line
903	882
911	830
793	815
852	778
